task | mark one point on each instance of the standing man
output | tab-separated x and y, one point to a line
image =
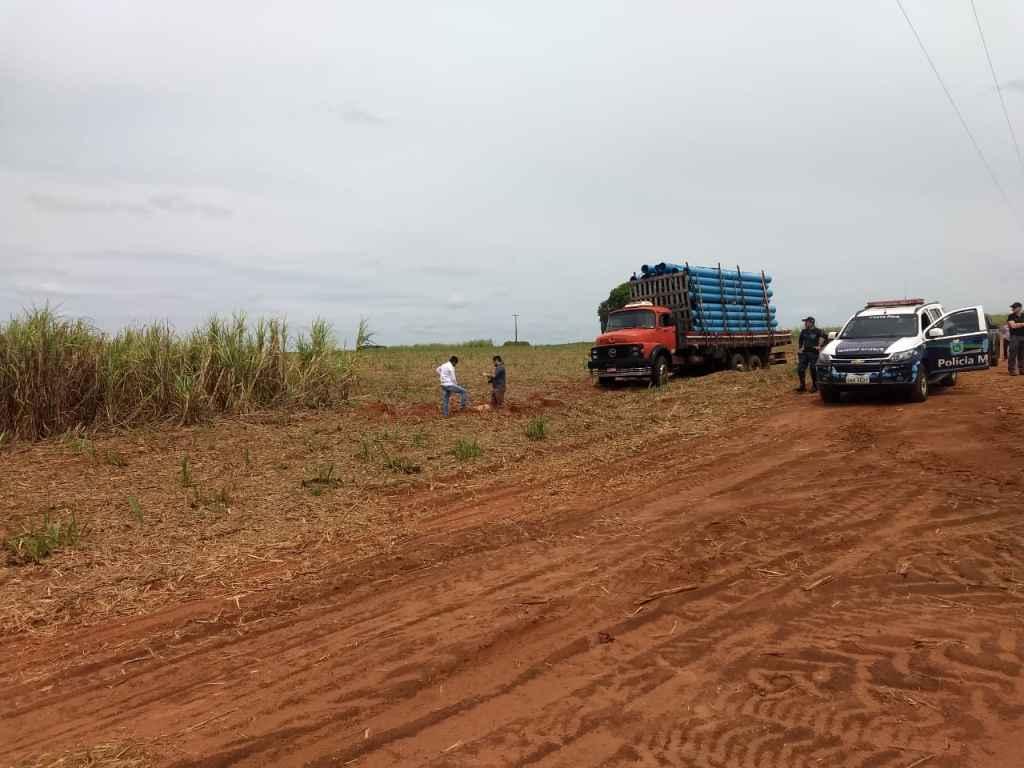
450	385
811	341
1015	355
497	381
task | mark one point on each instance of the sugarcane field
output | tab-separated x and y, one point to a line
511	385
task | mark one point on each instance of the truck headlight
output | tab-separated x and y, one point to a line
593	354
638	350
902	357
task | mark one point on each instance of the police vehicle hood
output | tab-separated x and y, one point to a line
871	347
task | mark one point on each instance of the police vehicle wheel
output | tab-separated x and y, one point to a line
754	362
737	362
919	389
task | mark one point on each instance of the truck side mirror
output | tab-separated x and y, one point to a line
935	333
832	335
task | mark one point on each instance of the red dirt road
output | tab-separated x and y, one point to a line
831	587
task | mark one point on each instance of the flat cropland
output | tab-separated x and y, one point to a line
718	573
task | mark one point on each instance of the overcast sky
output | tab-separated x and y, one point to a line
437	167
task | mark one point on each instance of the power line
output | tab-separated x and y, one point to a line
999	90
952	103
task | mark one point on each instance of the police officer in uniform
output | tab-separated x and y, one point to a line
811	341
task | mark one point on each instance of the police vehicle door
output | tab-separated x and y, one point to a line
957	341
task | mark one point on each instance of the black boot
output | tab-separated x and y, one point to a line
803	385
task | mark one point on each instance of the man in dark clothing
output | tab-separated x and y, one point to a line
1015	354
497	380
811	341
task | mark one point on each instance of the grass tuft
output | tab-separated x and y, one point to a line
366	448
323	478
35	545
467	449
115	459
402	464
537	428
136	509
218	501
186	473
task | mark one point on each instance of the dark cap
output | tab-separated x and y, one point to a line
807	318
1015	305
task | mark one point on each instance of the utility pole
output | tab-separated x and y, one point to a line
516	317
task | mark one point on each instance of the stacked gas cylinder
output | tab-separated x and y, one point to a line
723	300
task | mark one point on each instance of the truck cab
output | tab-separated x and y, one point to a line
909	344
637	343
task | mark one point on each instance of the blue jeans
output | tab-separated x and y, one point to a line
447	392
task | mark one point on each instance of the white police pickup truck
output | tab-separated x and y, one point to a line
910	345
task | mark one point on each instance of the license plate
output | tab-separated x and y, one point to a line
858	378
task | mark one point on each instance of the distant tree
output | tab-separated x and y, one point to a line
617	299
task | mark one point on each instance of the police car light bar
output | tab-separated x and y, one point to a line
896	303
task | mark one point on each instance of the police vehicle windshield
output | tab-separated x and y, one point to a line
631	318
881	327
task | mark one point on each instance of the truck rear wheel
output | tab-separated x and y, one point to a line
660	372
737	362
754	362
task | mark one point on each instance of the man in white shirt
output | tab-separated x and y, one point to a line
450	385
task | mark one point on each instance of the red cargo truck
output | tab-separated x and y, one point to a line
660	332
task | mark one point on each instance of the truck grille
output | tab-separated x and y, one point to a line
616	352
845	366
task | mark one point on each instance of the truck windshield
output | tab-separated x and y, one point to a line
881	327
630	318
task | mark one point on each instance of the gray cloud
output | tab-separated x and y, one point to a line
181	205
172	204
358	116
72	205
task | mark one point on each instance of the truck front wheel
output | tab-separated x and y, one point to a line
659	376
